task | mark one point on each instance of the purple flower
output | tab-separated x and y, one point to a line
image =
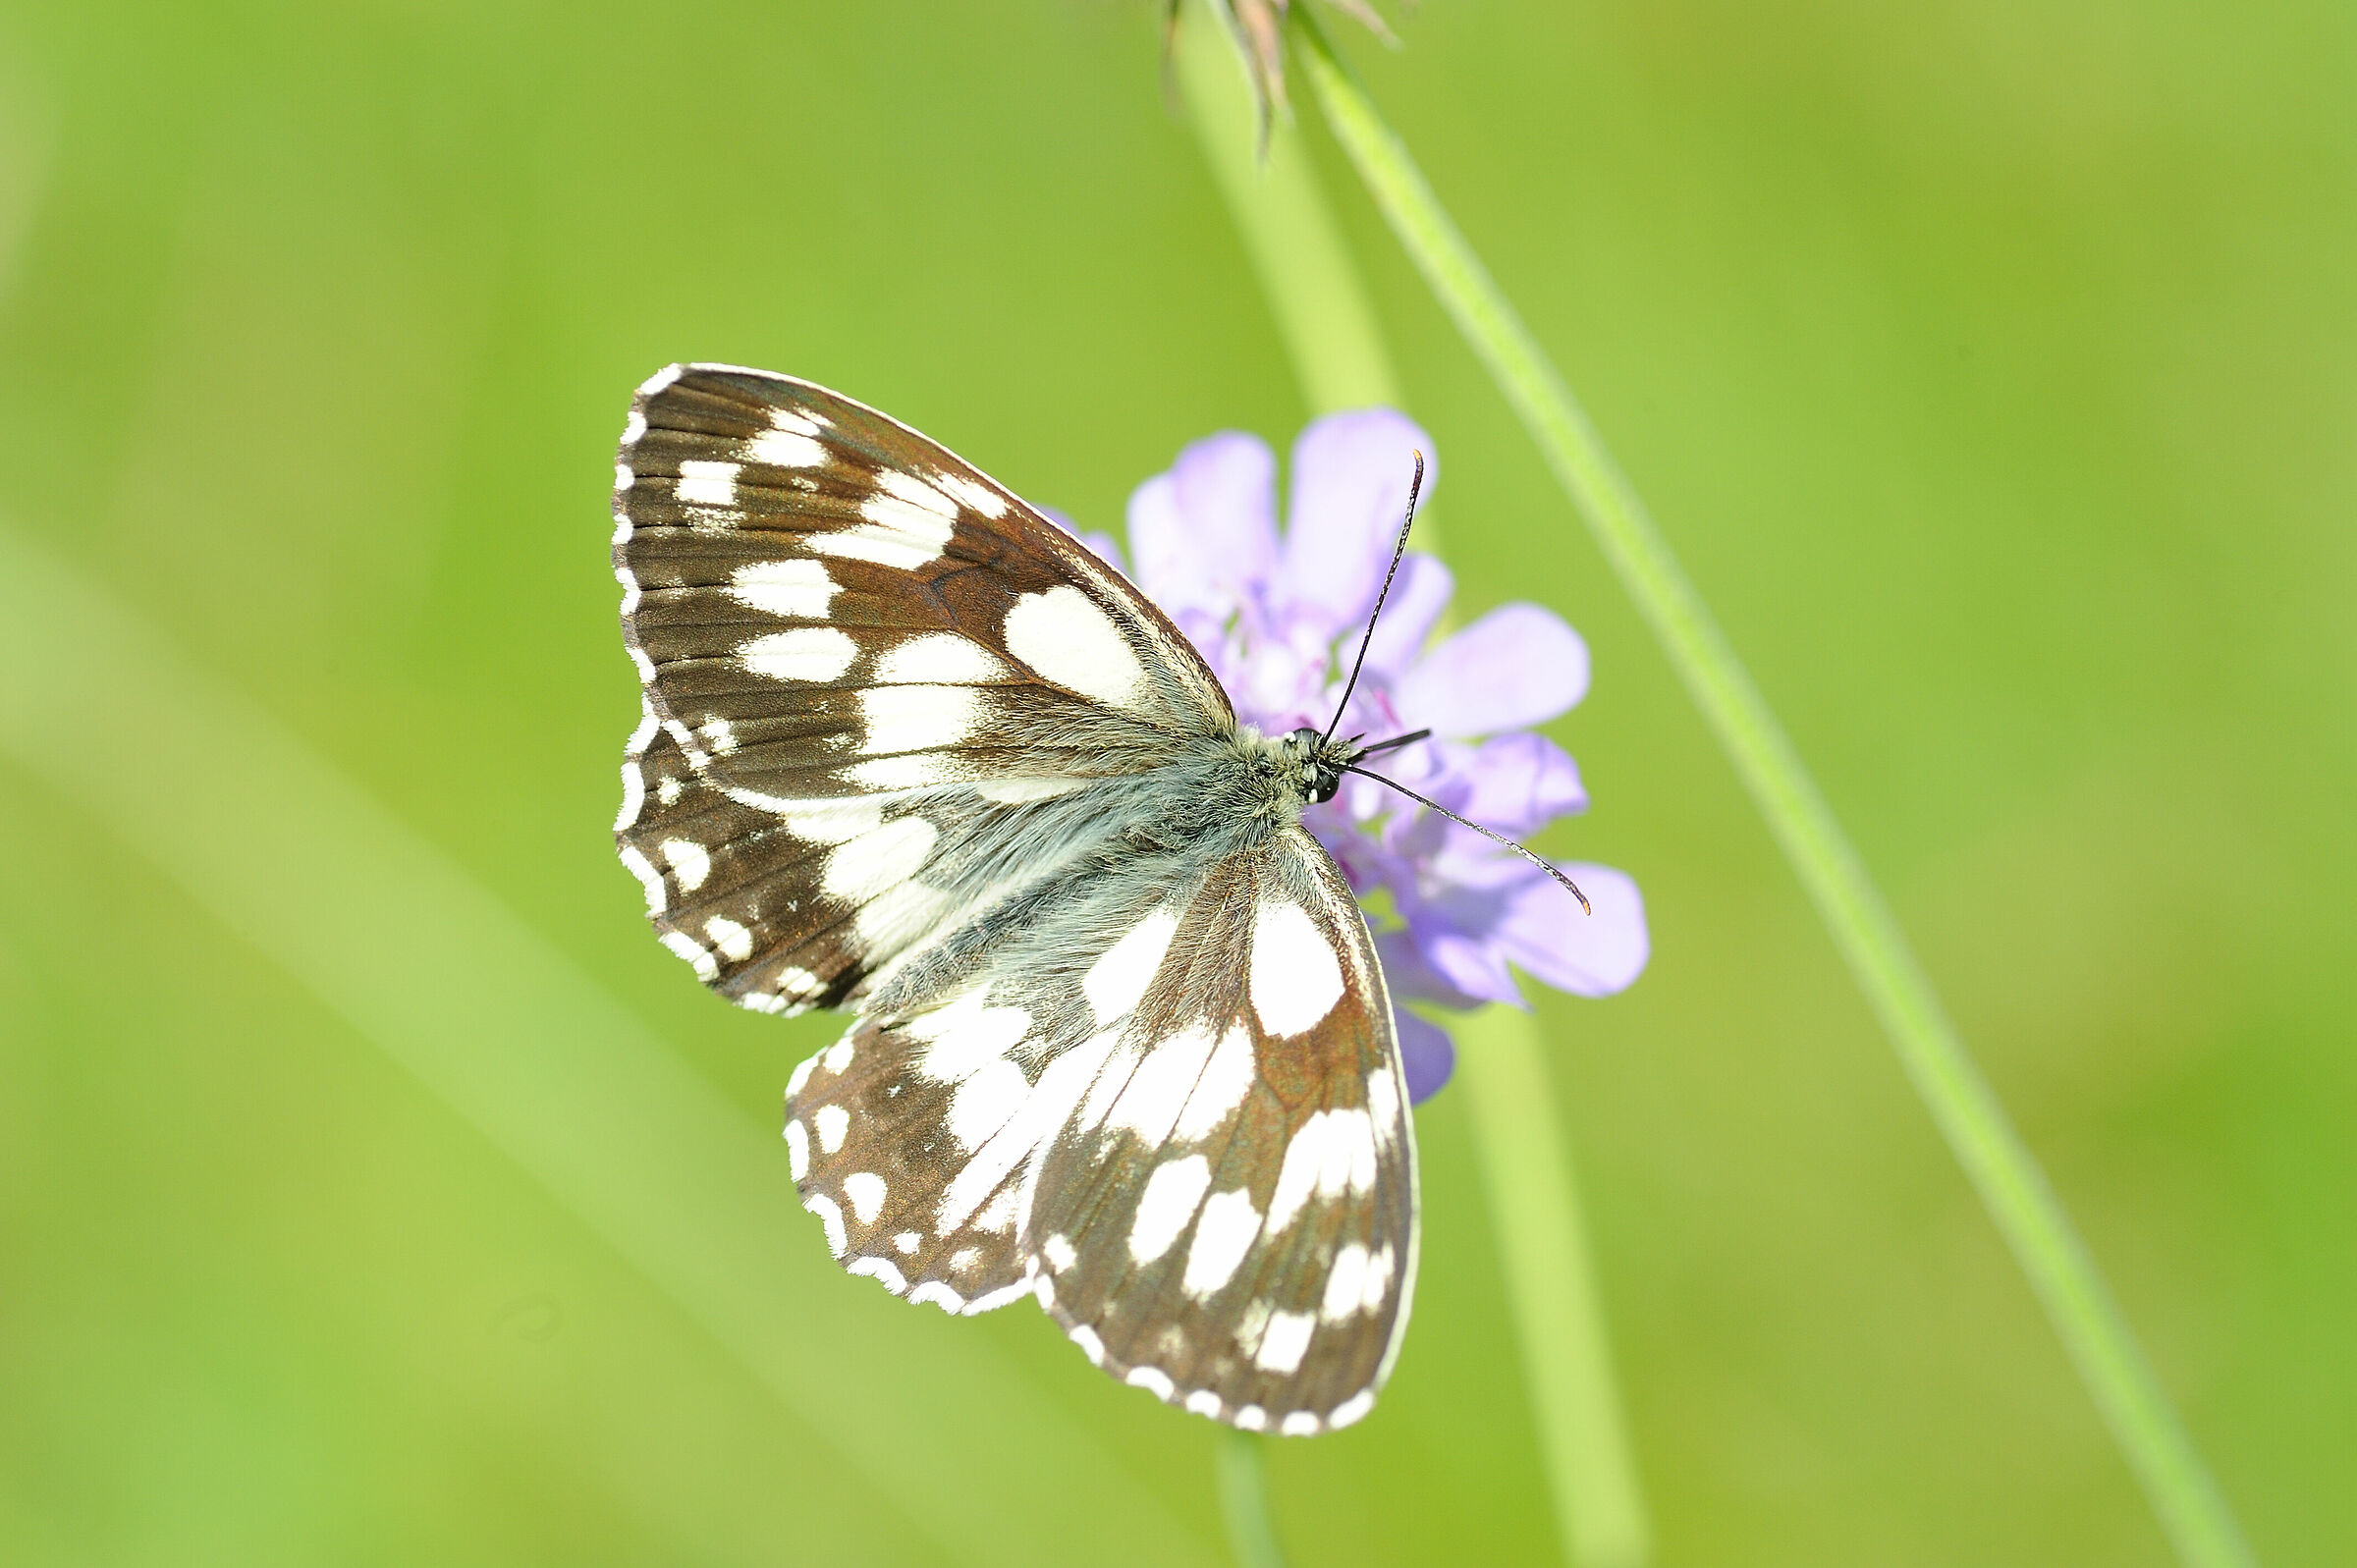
1277	618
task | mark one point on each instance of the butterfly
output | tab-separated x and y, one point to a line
1121	1042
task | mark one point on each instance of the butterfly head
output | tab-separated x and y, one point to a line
1318	762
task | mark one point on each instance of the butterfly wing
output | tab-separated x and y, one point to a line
862	658
1167	1104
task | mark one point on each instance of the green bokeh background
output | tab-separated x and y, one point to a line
1993	366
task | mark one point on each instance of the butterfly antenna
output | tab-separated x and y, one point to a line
1547	866
1396	741
1415	488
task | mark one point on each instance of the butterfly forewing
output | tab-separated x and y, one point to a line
870	648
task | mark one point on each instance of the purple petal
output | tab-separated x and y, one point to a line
1205	533
1426	1054
1517	666
1542	929
1418	596
1520	782
1350	476
1467	960
1408	975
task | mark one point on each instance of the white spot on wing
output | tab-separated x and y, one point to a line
1227	1078
981	498
1383	1105
1223	1236
797	1150
830	1217
899	532
939	658
866	1191
916	770
1300	1424
794	424
806	653
1345	1283
688	947
1018	791
1284	1344
1153	1380
1203	1402
916	718
1060	1253
868	865
882	1270
657	897
784	448
986	1102
633	795
941	1296
1295	977
916	492
1299	1176
1168	1203
798	590
991	1300
1090	1345
1120	976
832	1121
906	1242
734	942
1252	1418
1158	1091
963	1035
1377	1282
1063	634
838	1054
644	736
688	860
707	484
898	917
998	1216
1059	1087
1351	1410
825	822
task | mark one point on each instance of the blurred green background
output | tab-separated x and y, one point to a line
1993	366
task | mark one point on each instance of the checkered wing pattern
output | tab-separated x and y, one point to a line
1122	1044
858	652
1186	1138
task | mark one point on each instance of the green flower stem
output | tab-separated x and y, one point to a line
1526	1162
1329	332
1296	248
1245	1501
1969	1115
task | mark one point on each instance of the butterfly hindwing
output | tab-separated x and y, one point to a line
1188	1138
1230	1221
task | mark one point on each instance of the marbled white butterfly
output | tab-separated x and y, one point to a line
1121	1040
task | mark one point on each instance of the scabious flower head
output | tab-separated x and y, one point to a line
1278	617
